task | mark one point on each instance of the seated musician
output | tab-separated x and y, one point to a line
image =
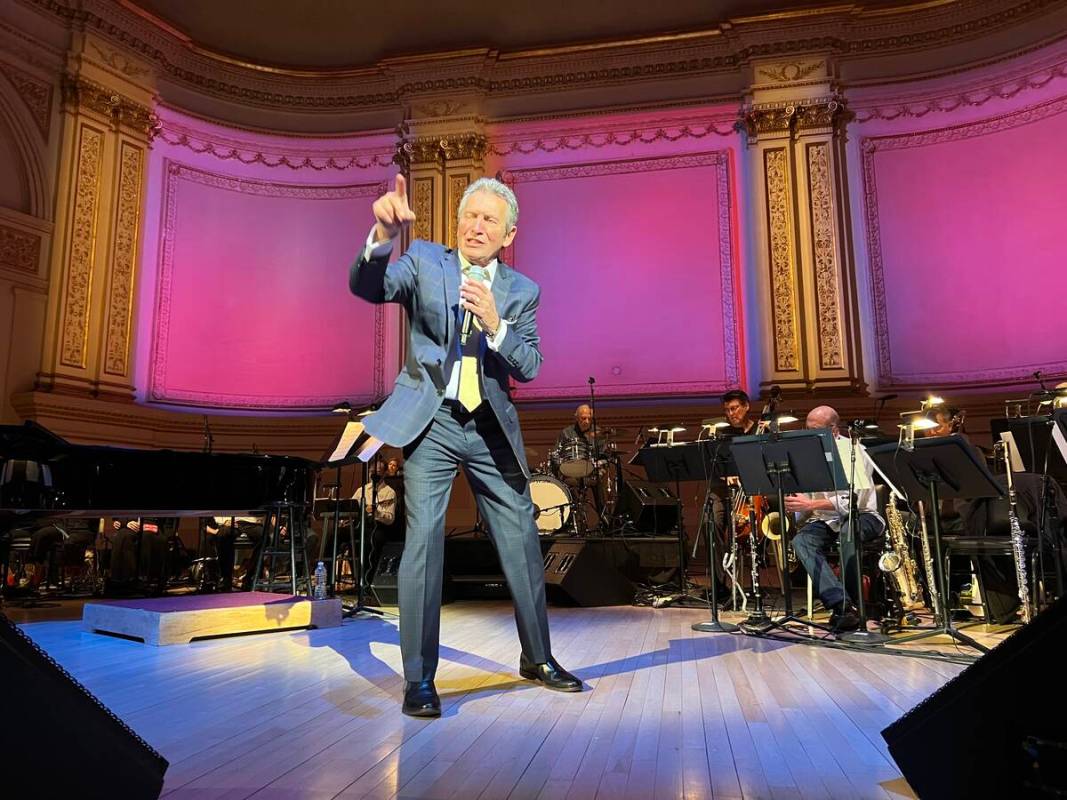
225	531
736	406
826	517
582	433
381	522
581	430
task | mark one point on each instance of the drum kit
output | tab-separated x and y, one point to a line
577	475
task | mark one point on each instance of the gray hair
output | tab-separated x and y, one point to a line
493	186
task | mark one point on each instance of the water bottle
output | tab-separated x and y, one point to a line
320	581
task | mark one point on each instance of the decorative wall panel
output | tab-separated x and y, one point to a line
82	246
252	308
964	238
636	263
123	268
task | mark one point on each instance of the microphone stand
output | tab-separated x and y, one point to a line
862	635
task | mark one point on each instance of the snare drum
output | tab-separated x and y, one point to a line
552	503
575	459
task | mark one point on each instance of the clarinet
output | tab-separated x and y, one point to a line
928	566
1018	543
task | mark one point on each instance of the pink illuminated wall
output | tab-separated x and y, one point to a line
244	303
253	308
631	294
965	227
628	223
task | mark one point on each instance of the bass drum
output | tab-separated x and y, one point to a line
552	502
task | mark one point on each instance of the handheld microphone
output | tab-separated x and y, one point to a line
475	273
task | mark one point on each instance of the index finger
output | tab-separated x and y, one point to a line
400	186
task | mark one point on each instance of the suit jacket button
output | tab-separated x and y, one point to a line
440	391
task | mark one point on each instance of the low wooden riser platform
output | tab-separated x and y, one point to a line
669	713
179	619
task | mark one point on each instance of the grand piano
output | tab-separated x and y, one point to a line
44	476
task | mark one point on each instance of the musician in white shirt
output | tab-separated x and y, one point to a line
826	515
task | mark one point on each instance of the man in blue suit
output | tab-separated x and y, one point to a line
451	407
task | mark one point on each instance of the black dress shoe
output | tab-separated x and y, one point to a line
551	674
844	618
421	700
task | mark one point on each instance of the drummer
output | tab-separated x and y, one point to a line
578	439
581	430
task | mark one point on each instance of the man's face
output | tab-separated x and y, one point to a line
736	412
482	228
393	467
584	418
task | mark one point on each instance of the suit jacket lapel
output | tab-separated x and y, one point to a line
501	286
450	267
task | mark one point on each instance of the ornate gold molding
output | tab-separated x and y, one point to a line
19	250
791	71
35	93
123	266
779	118
824	250
119	61
422	205
768	119
80	93
439	149
782	260
844	29
75	329
457	184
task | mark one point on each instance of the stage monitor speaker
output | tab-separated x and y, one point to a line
578	574
997	729
384	580
58	740
383	583
651	507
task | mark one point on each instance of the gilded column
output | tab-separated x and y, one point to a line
795	124
107	128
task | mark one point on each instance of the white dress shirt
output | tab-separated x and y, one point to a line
376	249
866	498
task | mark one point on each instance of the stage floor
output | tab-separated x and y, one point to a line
669	713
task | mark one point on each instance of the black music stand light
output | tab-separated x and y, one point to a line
792	462
352	446
940	467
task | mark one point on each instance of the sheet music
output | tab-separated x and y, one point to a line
349	436
1061	442
863	475
1016	459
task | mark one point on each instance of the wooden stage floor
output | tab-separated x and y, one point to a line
669	713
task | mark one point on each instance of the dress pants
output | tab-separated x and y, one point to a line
811	544
474	441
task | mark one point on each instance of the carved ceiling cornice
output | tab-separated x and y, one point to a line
843	31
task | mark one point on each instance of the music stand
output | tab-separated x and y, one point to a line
675	463
778	464
715	462
938	468
353	445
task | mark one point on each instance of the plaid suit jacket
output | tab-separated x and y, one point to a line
425	280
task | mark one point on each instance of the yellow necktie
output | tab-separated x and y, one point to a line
470	390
